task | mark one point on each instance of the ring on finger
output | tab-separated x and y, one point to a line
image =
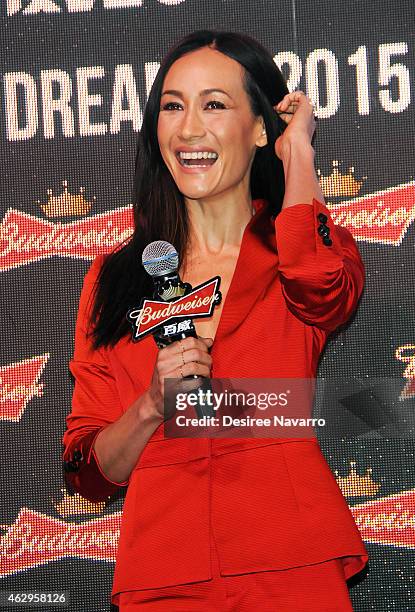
181	346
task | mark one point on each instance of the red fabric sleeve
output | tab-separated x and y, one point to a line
321	283
95	404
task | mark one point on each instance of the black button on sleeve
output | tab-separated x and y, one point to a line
322	217
323	230
327	241
70	466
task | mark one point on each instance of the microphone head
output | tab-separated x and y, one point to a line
160	258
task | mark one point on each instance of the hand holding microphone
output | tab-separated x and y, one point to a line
182	358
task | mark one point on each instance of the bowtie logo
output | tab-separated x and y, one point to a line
175	315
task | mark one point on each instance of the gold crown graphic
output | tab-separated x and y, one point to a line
338	185
75	504
66	204
354	485
172	292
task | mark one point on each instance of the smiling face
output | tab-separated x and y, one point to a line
206	130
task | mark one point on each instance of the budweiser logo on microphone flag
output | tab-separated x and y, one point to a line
152	314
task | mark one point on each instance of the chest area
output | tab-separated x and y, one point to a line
200	272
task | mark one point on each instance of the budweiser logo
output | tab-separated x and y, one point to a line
383	216
389	520
19	382
25	239
36	7
152	314
35	539
406	354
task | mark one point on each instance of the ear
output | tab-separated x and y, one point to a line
262	139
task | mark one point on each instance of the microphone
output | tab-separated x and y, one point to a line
161	261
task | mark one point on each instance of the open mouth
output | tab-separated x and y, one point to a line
196	159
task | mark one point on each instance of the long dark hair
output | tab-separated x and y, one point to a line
159	209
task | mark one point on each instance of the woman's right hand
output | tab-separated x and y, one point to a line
182	358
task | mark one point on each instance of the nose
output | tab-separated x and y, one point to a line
192	125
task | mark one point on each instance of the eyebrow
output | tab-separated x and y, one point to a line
204	92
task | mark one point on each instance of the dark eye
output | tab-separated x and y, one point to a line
171	106
215	104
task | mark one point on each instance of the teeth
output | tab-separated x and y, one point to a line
197	155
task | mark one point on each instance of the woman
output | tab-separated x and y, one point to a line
219	524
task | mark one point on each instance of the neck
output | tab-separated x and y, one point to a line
217	224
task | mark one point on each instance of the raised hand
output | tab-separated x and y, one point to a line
297	110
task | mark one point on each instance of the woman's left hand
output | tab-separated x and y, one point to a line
297	110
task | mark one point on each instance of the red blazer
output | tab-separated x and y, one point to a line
271	503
